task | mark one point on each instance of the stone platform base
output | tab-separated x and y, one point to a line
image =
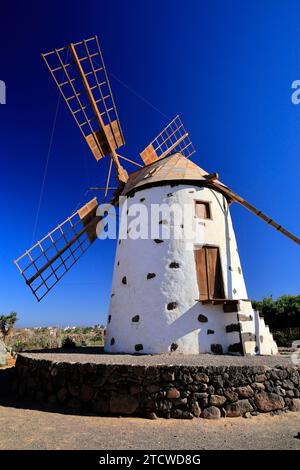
170	386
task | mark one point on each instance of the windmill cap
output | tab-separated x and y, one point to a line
173	168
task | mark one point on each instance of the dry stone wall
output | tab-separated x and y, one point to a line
167	391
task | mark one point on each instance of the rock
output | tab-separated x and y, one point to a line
201	387
54	371
49	387
245	392
295	404
203	402
101	406
202	319
216	348
280	391
295	378
180	401
62	395
290	393
217	400
40	396
187	378
123	404
172	305
173	393
260	378
195	409
212	412
201	395
86	393
151	415
52	399
181	414
235	348
201	377
152	388
269	386
73	389
151	275
238	408
288	384
135	389
218	381
31	383
74	403
247	415
233	327
164	406
174	265
168	376
258	386
231	395
268	401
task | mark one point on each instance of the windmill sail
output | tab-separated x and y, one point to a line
80	74
235	197
43	265
173	138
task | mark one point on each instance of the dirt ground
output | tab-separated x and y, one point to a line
23	427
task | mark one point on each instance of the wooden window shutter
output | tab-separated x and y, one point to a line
202	210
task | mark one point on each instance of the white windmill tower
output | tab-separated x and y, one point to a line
169	294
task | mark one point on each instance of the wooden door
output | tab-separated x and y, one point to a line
209	273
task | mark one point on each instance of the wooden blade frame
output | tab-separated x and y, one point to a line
49	259
173	138
80	74
235	197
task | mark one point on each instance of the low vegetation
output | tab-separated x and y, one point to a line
22	339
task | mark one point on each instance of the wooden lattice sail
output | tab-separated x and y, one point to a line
173	138
80	74
43	265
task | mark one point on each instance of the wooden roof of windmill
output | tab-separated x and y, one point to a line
174	167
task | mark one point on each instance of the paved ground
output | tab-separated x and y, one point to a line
26	428
96	355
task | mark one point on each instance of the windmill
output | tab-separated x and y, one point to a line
165	297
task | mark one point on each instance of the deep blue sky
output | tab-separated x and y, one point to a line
225	66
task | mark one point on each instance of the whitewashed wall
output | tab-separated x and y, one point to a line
158	327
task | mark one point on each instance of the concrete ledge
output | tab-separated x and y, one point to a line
156	386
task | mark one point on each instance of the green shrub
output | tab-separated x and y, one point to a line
18	346
286	336
68	343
